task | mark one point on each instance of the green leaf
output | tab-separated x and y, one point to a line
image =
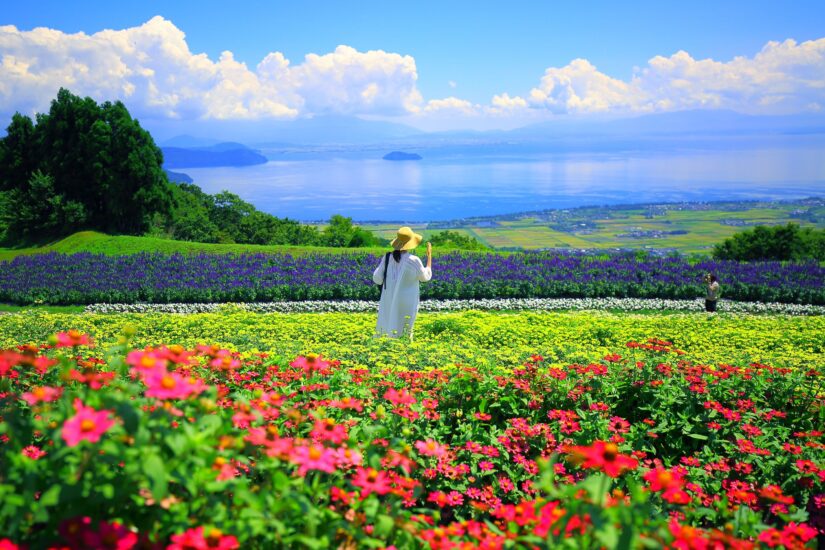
697	436
176	443
51	497
384	525
156	472
130	417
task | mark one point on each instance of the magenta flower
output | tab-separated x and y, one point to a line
171	385
41	393
88	424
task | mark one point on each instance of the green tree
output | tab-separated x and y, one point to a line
340	232
37	211
783	242
454	239
97	156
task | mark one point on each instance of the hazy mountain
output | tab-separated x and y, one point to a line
188	141
319	130
694	122
178	177
353	135
221	154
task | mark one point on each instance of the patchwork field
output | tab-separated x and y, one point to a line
633	228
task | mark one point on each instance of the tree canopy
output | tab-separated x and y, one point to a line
782	242
94	160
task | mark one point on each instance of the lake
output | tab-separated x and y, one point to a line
443	186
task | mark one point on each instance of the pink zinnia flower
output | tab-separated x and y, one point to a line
310	363
171	385
313	457
371	480
326	429
6	544
110	535
88	424
430	448
33	452
41	393
225	362
199	539
347	458
71	339
146	360
401	397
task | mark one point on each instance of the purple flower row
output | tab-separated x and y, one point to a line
92	278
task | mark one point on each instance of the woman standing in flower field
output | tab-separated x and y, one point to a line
713	292
399	281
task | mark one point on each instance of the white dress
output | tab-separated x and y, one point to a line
399	300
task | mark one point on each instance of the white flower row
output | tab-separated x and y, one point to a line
533	304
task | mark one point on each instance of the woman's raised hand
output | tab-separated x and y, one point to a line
429	249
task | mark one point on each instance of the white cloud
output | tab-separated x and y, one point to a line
350	81
504	104
152	70
782	78
453	104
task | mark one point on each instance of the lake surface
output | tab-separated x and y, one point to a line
442	187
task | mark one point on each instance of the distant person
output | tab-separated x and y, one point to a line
713	292
399	274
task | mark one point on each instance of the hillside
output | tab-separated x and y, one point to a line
99	243
222	154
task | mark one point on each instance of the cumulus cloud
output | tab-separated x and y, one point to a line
783	77
350	81
452	104
504	104
151	68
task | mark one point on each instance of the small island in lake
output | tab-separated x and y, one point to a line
401	155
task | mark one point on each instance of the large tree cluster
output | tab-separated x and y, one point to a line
81	165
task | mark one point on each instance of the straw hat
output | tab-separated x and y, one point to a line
406	239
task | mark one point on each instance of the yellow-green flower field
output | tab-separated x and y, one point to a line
443	339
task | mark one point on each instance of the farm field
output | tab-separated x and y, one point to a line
579	428
634	227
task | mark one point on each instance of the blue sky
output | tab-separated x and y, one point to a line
464	54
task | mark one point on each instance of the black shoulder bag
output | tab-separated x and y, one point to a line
384	280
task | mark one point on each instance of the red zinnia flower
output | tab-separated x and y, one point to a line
602	456
33	452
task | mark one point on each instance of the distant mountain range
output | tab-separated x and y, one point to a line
219	154
373	139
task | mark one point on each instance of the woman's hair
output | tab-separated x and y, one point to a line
396	255
712	277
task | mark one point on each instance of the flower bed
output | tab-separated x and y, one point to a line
88	278
506	304
172	447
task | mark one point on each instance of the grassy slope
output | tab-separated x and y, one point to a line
91	241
